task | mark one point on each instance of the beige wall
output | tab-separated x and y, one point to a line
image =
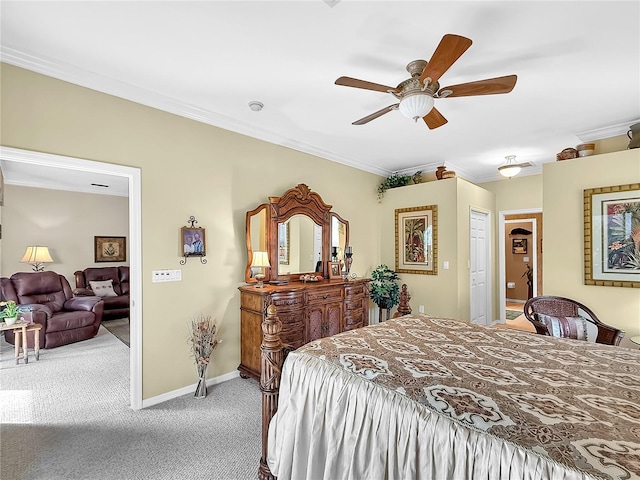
187	168
446	293
66	222
517	193
563	263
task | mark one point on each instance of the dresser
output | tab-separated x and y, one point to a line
308	311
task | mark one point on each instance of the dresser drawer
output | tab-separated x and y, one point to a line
287	302
354	304
293	334
324	295
353	326
353	290
291	317
354	317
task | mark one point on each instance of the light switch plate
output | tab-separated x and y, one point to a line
159	276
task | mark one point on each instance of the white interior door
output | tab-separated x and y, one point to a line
479	266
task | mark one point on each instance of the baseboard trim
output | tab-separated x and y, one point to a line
149	402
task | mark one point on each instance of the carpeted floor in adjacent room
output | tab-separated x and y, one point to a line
67	417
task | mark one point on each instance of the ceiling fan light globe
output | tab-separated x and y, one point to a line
416	106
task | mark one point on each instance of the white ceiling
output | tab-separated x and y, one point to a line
578	68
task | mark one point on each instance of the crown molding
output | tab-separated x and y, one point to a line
84	78
606	132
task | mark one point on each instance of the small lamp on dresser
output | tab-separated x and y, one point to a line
260	261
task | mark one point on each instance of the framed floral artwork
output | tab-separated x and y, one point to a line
110	249
417	240
612	236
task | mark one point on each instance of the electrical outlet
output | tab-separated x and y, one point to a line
420	308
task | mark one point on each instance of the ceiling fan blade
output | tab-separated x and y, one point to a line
450	48
434	119
354	82
375	115
490	86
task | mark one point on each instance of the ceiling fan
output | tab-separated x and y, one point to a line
417	93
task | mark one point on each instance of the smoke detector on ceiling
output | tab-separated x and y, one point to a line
256	106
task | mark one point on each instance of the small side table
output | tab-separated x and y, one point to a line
19	327
35	328
635	339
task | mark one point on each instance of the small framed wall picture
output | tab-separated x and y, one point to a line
335	270
193	242
110	249
519	245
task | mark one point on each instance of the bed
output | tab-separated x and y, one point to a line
421	397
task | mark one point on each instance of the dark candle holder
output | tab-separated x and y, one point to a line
348	253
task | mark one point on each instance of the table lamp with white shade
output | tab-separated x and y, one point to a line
260	261
37	256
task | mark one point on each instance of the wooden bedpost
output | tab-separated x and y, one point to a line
272	357
403	306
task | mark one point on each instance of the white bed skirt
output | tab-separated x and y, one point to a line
332	424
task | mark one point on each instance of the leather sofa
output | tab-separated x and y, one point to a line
64	318
116	306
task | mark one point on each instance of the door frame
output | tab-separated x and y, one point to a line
502	277
133	175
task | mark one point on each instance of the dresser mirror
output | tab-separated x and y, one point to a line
257	237
339	238
299	233
299	245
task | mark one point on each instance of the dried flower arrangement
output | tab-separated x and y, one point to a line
204	339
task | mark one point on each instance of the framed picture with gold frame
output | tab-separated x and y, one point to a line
110	249
612	236
417	240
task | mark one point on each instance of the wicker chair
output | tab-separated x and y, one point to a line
563	317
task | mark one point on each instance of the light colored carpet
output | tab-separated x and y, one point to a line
67	417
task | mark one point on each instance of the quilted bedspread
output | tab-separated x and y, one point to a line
436	398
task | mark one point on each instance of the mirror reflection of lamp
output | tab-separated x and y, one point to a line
260	261
37	256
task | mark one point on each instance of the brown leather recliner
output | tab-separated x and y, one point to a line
64	318
114	307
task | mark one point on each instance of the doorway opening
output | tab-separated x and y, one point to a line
133	176
520	253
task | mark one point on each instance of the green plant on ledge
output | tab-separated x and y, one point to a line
393	181
384	289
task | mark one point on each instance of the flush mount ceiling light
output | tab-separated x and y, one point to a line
510	169
256	106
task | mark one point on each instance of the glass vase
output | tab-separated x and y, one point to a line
201	389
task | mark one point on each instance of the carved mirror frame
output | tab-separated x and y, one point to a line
298	200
